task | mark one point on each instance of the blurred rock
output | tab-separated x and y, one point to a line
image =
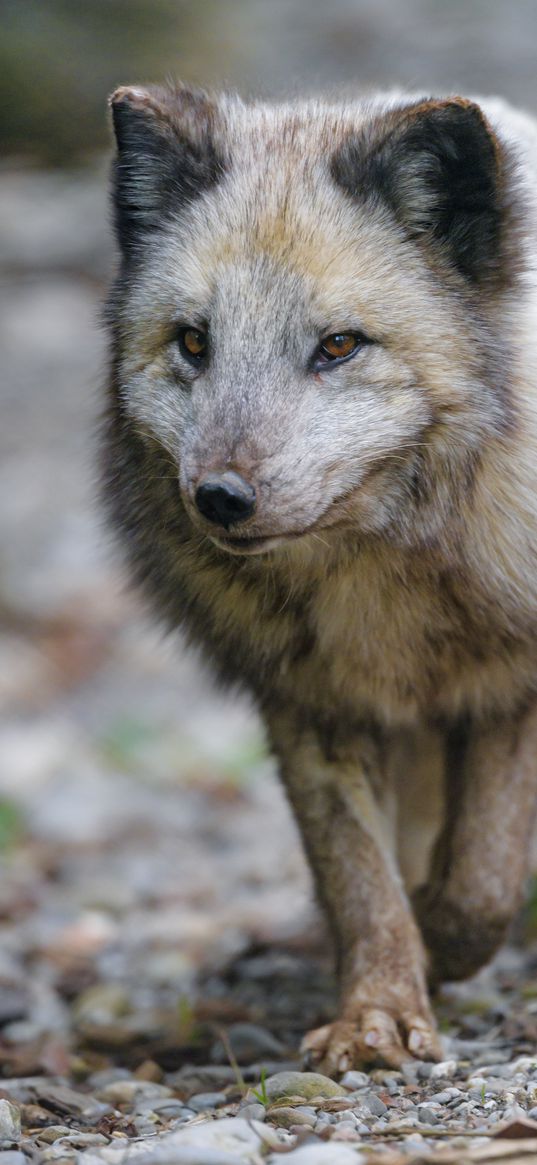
248	1042
10	1122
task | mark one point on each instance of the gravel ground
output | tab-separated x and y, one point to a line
161	955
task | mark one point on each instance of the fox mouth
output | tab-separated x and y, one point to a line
248	546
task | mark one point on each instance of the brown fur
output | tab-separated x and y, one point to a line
381	602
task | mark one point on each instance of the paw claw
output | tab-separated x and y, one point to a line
372	1037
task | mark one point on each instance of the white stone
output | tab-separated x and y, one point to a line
331	1154
444	1068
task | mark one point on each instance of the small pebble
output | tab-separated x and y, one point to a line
144	1125
321	1126
128	1091
285	1118
83	1140
341	1118
353	1080
206	1100
33	1116
427	1116
445	1095
375	1105
100	1080
53	1133
253	1112
445	1068
169	1108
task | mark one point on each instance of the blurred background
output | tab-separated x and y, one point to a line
148	855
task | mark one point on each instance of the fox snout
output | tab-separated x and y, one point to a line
225	499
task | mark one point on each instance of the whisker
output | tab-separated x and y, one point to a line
314	534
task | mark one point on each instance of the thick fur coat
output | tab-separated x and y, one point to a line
321	450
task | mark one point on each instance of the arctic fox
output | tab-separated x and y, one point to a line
321	450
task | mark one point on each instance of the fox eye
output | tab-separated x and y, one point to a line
333	349
192	344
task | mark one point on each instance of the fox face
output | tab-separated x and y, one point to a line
309	315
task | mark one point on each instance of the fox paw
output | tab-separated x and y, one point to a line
377	1036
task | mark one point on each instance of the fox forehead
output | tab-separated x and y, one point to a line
279	243
275	198
278	220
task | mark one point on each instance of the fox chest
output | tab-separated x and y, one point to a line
410	645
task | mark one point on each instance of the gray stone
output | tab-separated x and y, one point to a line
191	1081
287	1118
167	1108
207	1100
82	1140
445	1069
410	1071
10	1122
426	1115
355	1080
375	1105
445	1095
130	1091
105	1076
54	1133
12	1157
253	1112
145	1127
348	1117
321	1126
248	1042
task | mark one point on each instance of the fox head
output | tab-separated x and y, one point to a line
309	317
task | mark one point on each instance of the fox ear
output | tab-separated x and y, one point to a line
439	167
165	157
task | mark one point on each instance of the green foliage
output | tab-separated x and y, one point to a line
11	824
261	1093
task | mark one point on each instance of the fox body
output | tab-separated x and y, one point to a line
320	447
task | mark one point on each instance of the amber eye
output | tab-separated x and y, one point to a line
337	347
193	344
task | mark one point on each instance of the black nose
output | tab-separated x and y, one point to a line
225	498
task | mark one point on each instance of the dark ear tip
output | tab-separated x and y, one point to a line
462	108
132	95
